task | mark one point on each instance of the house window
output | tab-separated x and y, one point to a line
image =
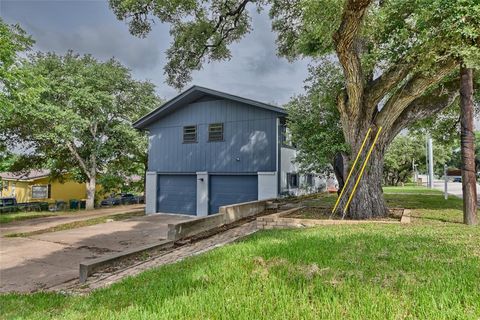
310	179
41	191
292	180
189	134
215	132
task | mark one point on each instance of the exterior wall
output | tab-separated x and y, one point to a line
20	191
249	139
267	185
288	165
151	192
59	191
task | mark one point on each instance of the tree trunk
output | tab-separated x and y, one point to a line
91	184
368	201
469	182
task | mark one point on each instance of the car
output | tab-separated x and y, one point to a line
457	179
8	204
122	198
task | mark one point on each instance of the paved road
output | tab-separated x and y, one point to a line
453	188
46	260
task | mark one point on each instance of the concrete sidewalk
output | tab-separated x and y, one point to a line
35	224
50	259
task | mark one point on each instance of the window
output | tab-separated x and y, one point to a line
292	180
215	132
310	179
41	191
189	134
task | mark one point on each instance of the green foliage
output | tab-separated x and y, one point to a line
427	270
313	119
398	159
78	119
419	32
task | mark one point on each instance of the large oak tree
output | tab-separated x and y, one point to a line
397	56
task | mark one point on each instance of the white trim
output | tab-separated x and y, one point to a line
202	194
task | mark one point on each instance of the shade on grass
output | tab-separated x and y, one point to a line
430	269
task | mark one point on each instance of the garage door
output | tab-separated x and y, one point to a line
225	190
177	194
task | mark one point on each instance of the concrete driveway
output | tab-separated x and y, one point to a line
49	259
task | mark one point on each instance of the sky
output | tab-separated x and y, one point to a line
89	26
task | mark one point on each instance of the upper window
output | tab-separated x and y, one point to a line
41	191
189	134
215	132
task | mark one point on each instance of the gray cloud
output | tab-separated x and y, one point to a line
90	27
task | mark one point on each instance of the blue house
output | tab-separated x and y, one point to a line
208	149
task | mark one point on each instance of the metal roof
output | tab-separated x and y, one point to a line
192	94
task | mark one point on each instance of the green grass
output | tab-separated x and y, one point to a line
411	189
79	224
18	216
429	269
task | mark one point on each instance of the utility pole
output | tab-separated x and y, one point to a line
467	138
445	171
430	163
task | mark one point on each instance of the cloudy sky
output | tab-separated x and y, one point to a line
89	26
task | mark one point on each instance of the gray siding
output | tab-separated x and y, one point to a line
249	135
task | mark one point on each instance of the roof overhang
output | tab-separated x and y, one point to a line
192	94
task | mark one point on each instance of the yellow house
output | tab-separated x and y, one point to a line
37	186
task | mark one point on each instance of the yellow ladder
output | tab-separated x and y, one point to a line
353	168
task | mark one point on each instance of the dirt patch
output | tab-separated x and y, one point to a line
325	213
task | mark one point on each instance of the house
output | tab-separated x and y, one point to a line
37	186
208	149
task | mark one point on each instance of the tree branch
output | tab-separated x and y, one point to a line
77	156
345	39
379	87
411	90
426	106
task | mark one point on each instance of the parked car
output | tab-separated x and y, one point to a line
8	204
457	179
122	198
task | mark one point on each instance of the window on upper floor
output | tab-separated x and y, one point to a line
286	137
292	180
189	134
215	132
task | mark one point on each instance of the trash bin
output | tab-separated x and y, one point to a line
74	204
83	204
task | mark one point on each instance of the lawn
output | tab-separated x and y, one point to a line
17	216
429	270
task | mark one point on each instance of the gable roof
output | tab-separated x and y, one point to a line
24	176
192	94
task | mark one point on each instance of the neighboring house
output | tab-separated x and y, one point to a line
37	186
208	149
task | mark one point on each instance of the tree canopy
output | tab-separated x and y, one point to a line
399	58
73	114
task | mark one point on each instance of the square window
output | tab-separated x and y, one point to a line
40	192
292	180
189	134
215	132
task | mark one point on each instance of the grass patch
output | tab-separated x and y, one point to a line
412	189
18	216
429	269
79	224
